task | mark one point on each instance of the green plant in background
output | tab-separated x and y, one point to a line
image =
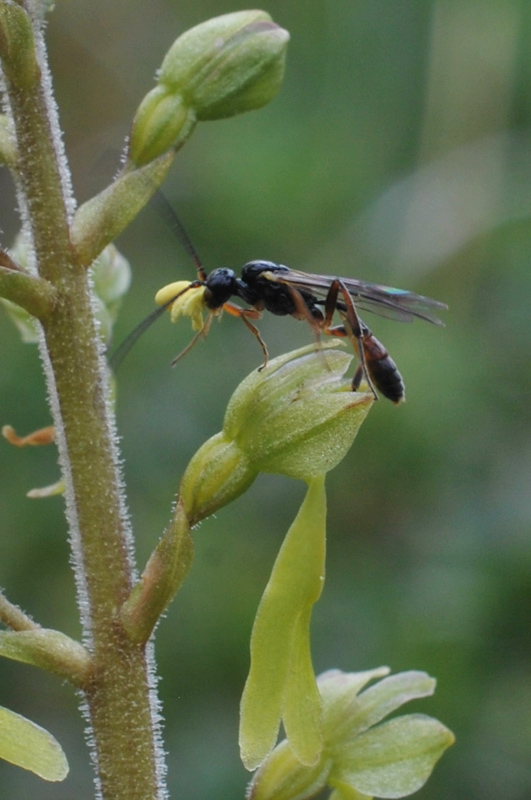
295	417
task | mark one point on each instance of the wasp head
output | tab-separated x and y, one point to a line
220	286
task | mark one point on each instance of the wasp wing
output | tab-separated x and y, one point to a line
397	304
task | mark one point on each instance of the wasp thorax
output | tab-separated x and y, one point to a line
254	269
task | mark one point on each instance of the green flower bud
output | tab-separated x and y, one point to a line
217	474
17	46
111	275
8	143
296	417
362	756
227	65
222	67
26	324
162	122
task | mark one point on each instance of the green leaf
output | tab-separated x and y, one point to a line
102	218
31	747
394	759
161	579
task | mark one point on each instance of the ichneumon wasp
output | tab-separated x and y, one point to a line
265	286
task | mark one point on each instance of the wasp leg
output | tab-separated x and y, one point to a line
376	365
246	314
313	316
353	327
202	333
356	380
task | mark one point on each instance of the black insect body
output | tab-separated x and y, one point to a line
266	286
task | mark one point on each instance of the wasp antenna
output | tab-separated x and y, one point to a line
123	349
174	222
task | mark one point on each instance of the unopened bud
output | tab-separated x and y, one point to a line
17	46
222	67
228	65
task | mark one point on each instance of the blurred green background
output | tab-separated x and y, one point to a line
398	151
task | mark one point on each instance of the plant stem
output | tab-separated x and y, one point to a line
118	697
13	617
29	291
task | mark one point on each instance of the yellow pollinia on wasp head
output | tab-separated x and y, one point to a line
183	300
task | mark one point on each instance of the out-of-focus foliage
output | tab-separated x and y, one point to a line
398	151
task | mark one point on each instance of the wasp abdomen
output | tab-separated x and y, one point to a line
383	370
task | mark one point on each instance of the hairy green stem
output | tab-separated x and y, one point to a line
118	695
13	617
34	294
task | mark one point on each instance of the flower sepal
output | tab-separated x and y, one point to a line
362	756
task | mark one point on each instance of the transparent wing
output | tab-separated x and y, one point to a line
397	304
